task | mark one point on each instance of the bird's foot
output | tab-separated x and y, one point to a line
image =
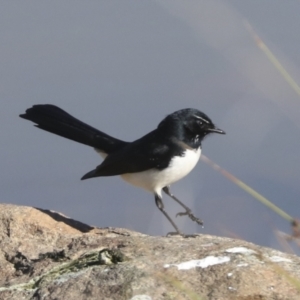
191	216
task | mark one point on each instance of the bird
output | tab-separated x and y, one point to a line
152	162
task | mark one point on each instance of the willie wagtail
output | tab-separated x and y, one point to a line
153	162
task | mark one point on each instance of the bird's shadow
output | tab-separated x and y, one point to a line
82	227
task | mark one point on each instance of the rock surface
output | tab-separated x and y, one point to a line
45	255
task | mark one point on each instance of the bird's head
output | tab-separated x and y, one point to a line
189	124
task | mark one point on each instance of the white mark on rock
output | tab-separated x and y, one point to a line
229	274
279	259
201	263
141	297
242	265
208	245
242	250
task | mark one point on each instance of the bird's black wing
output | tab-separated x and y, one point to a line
151	151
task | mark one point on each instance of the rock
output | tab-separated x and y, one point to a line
45	255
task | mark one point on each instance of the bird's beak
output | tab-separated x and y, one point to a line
216	130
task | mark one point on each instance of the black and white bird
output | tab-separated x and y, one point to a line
153	162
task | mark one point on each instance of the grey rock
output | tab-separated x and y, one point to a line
46	255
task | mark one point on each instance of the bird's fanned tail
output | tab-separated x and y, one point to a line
55	120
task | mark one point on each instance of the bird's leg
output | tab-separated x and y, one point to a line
160	206
188	211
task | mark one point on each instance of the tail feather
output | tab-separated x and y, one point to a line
55	120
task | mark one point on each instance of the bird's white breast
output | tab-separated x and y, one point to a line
154	180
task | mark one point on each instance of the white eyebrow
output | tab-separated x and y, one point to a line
201	119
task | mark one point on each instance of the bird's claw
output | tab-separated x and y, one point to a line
191	216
